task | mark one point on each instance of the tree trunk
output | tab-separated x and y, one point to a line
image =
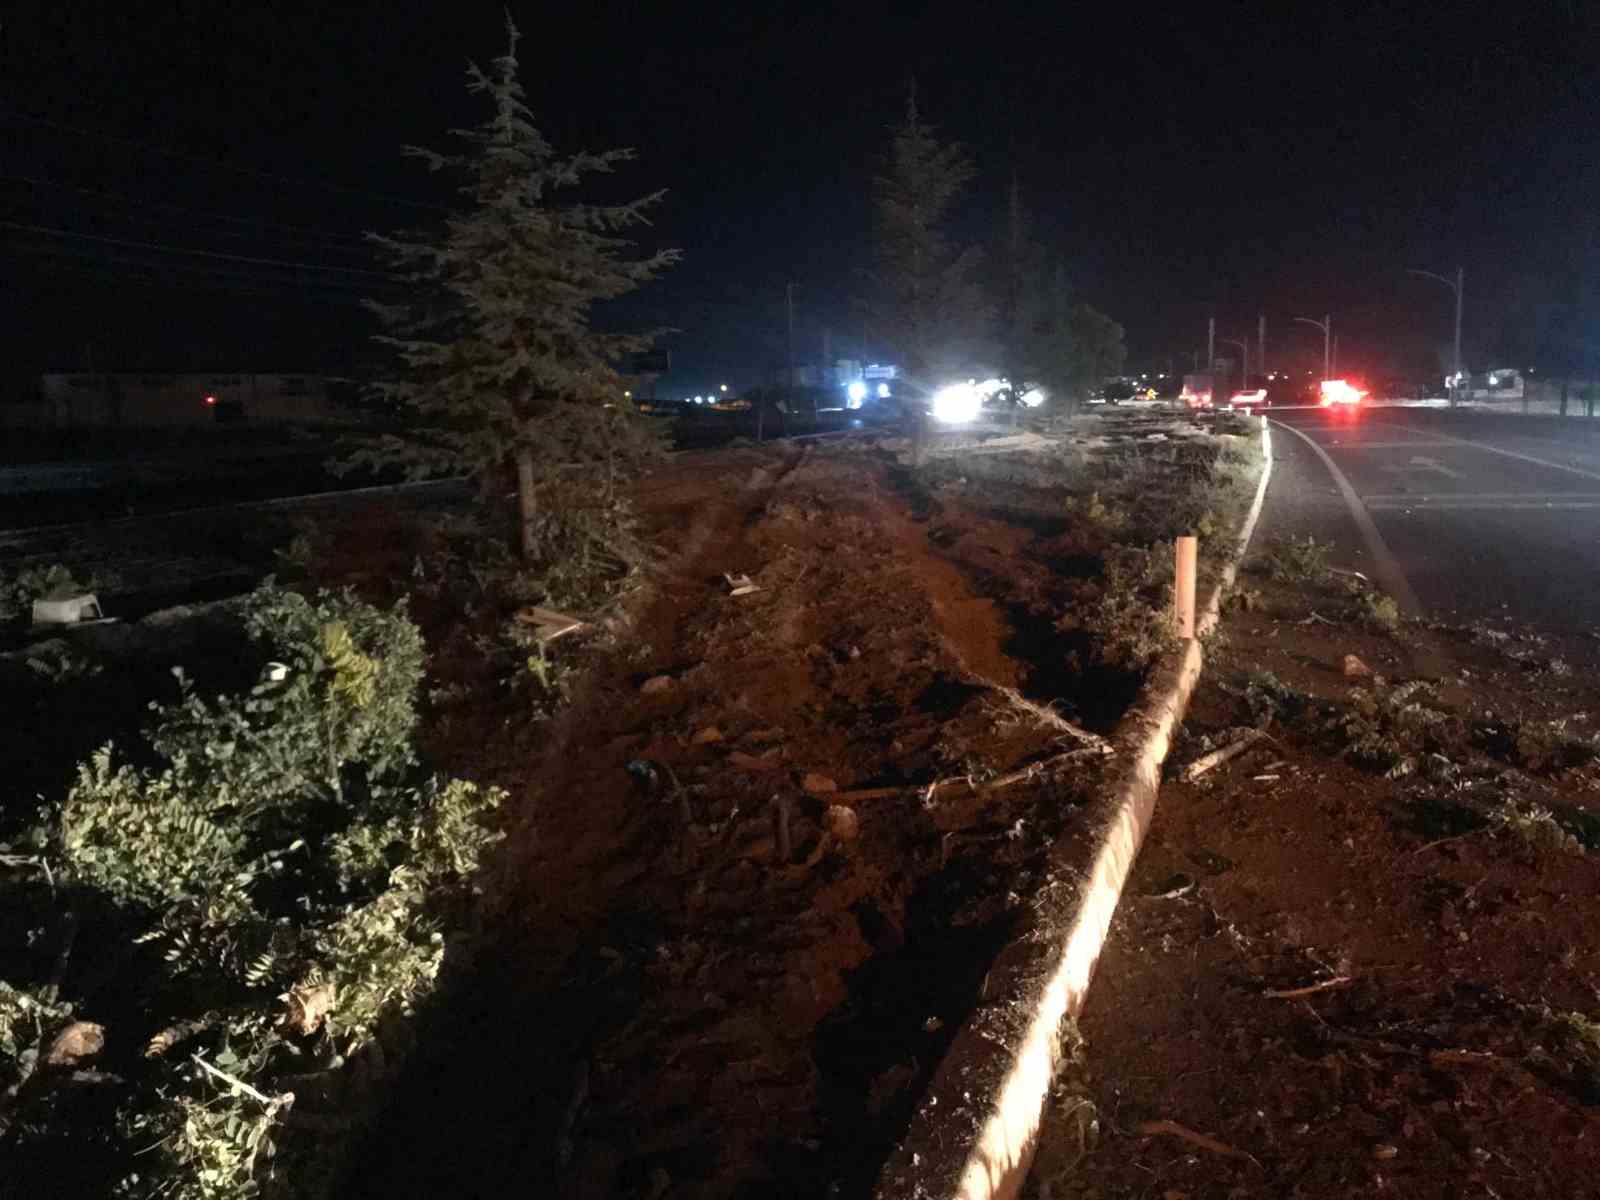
527	504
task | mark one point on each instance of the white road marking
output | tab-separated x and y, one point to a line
1434	465
1527	458
1447	505
1388	445
1384	564
1482	497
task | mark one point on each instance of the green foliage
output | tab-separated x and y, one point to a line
61	663
1378	610
143	839
1299	560
504	372
18	592
1270	699
925	301
1127	610
339	691
27	1022
1389	729
286	910
1092	348
1535	826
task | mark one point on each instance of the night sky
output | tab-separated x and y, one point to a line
1292	159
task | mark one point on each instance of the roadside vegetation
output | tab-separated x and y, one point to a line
224	919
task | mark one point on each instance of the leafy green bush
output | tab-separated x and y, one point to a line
276	881
1298	560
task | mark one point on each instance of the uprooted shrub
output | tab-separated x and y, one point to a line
233	920
1125	610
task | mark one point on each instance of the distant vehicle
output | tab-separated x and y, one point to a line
1247	400
1118	390
1198	391
1338	393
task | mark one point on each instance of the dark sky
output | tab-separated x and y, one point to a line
1287	158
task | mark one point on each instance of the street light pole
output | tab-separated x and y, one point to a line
1326	325
1458	285
1261	344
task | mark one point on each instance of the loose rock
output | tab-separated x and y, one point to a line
655	685
1354	668
842	822
815	784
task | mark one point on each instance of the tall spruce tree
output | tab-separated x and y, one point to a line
503	374
925	302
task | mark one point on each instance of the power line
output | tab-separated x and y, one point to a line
167	248
328	185
90	258
357	242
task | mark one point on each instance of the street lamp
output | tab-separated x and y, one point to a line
1244	352
1326	325
1458	286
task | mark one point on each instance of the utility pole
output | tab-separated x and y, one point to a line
1261	344
1244	360
1335	367
1326	325
788	353
1211	343
1458	285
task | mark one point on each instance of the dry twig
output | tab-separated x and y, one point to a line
1150	1128
1311	990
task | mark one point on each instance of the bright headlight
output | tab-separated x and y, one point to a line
957	403
857	391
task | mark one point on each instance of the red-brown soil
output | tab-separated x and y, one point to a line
1441	1057
663	1004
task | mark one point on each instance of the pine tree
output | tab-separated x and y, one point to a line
926	302
502	371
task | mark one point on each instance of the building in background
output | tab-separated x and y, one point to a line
145	400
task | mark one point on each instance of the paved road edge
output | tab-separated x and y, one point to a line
974	1132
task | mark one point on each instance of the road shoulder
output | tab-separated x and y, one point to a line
1359	954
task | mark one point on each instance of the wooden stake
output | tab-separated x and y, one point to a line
1183	588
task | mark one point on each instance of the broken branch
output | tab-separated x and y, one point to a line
1311	990
1209	762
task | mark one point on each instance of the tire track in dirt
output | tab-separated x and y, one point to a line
674	1002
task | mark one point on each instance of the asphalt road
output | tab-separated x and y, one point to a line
1462	515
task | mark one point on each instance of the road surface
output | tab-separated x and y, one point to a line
1462	515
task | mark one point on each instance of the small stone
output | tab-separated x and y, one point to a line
842	822
707	736
814	783
750	762
1354	668
655	685
1385	1151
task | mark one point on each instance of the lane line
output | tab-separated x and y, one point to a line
1475	506
1527	458
1384	564
1387	445
1530	497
